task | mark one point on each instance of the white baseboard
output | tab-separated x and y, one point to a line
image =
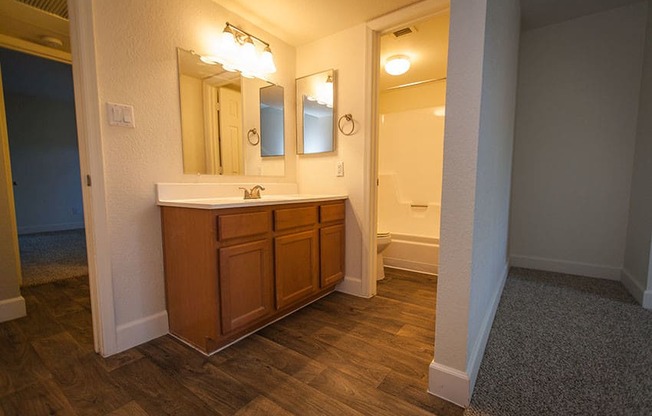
457	386
351	286
477	352
13	308
46	228
449	384
634	287
565	266
141	330
414	266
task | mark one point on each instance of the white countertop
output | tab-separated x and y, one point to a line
239	201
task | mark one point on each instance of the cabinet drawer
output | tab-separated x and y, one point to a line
294	217
331	212
243	225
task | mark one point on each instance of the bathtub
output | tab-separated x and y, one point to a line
414	253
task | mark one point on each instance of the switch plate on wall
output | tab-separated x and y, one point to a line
120	115
340	168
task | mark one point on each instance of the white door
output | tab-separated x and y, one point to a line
231	131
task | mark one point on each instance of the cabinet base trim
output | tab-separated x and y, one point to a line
141	330
289	312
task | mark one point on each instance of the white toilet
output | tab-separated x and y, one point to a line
383	240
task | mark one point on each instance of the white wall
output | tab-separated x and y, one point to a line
135	46
574	147
347	53
478	138
637	274
410	160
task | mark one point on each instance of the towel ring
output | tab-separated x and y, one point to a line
253	133
346	118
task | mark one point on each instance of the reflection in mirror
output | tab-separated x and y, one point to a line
218	108
271	121
315	95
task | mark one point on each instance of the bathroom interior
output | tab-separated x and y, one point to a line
195	148
410	146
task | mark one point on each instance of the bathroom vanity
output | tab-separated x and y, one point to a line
232	266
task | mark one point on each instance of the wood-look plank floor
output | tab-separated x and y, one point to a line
339	356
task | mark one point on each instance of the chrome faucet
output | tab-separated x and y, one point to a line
254	193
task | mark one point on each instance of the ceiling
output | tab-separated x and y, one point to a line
22	21
298	22
426	46
539	13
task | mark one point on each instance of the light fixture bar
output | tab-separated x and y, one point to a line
246	33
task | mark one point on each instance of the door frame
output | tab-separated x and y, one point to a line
379	27
89	134
87	115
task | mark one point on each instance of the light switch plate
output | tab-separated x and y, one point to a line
120	115
340	168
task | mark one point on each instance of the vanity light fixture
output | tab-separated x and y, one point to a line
397	65
236	51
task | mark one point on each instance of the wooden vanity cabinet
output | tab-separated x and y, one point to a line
228	272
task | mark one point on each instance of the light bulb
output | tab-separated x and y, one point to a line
397	65
267	61
227	49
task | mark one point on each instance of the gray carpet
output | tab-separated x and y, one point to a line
48	257
566	345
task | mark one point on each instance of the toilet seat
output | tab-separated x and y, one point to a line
382	234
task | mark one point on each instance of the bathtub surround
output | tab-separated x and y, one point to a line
413	252
576	132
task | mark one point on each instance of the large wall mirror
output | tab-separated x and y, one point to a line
315	109
226	119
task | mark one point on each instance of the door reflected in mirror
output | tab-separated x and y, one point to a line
218	108
316	98
271	121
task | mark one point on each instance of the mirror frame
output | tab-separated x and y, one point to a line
300	93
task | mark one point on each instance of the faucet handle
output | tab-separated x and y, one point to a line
247	194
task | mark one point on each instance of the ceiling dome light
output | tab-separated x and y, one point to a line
397	65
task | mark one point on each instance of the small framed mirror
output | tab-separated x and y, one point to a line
315	110
271	121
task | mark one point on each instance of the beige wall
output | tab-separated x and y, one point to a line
192	112
12	304
135	47
347	53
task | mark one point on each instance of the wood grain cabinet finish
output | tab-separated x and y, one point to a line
296	258
246	284
229	272
331	245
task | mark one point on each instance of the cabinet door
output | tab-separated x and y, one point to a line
297	268
331	243
246	284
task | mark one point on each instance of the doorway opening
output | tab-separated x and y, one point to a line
44	155
410	133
